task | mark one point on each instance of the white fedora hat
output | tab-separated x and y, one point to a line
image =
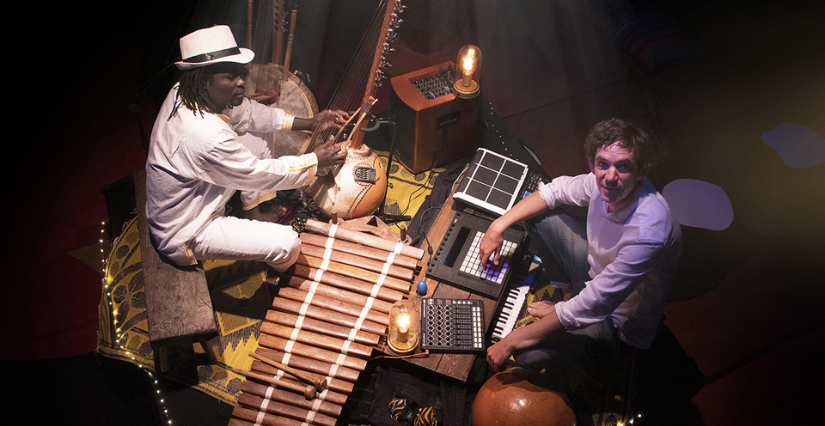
211	45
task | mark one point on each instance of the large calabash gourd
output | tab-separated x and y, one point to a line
519	397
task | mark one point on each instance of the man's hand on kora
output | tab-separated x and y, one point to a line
329	118
329	154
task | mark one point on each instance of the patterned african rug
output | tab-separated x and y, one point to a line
241	294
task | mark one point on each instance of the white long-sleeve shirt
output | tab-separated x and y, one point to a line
633	254
195	164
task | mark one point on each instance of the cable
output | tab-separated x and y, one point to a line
426	238
425	353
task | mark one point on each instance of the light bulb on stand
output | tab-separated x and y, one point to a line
468	70
404	328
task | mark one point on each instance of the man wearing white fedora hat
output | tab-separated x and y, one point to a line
196	163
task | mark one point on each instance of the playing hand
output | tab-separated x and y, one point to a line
329	154
490	244
329	118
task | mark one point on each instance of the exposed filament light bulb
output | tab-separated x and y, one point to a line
467	71
403	323
466	80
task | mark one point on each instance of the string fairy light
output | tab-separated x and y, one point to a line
107	281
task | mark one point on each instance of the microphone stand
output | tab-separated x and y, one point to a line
387	218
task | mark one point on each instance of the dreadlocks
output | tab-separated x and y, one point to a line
192	92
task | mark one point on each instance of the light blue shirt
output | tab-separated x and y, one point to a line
633	254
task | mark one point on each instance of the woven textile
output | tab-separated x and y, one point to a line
241	294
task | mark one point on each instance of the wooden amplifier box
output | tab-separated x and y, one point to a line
434	127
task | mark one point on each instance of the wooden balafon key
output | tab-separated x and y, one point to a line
323	326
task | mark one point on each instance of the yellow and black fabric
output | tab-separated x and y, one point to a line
544	292
242	292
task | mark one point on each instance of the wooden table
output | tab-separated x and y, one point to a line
452	365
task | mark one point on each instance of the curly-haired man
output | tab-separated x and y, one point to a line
616	269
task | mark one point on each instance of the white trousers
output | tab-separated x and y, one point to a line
233	238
